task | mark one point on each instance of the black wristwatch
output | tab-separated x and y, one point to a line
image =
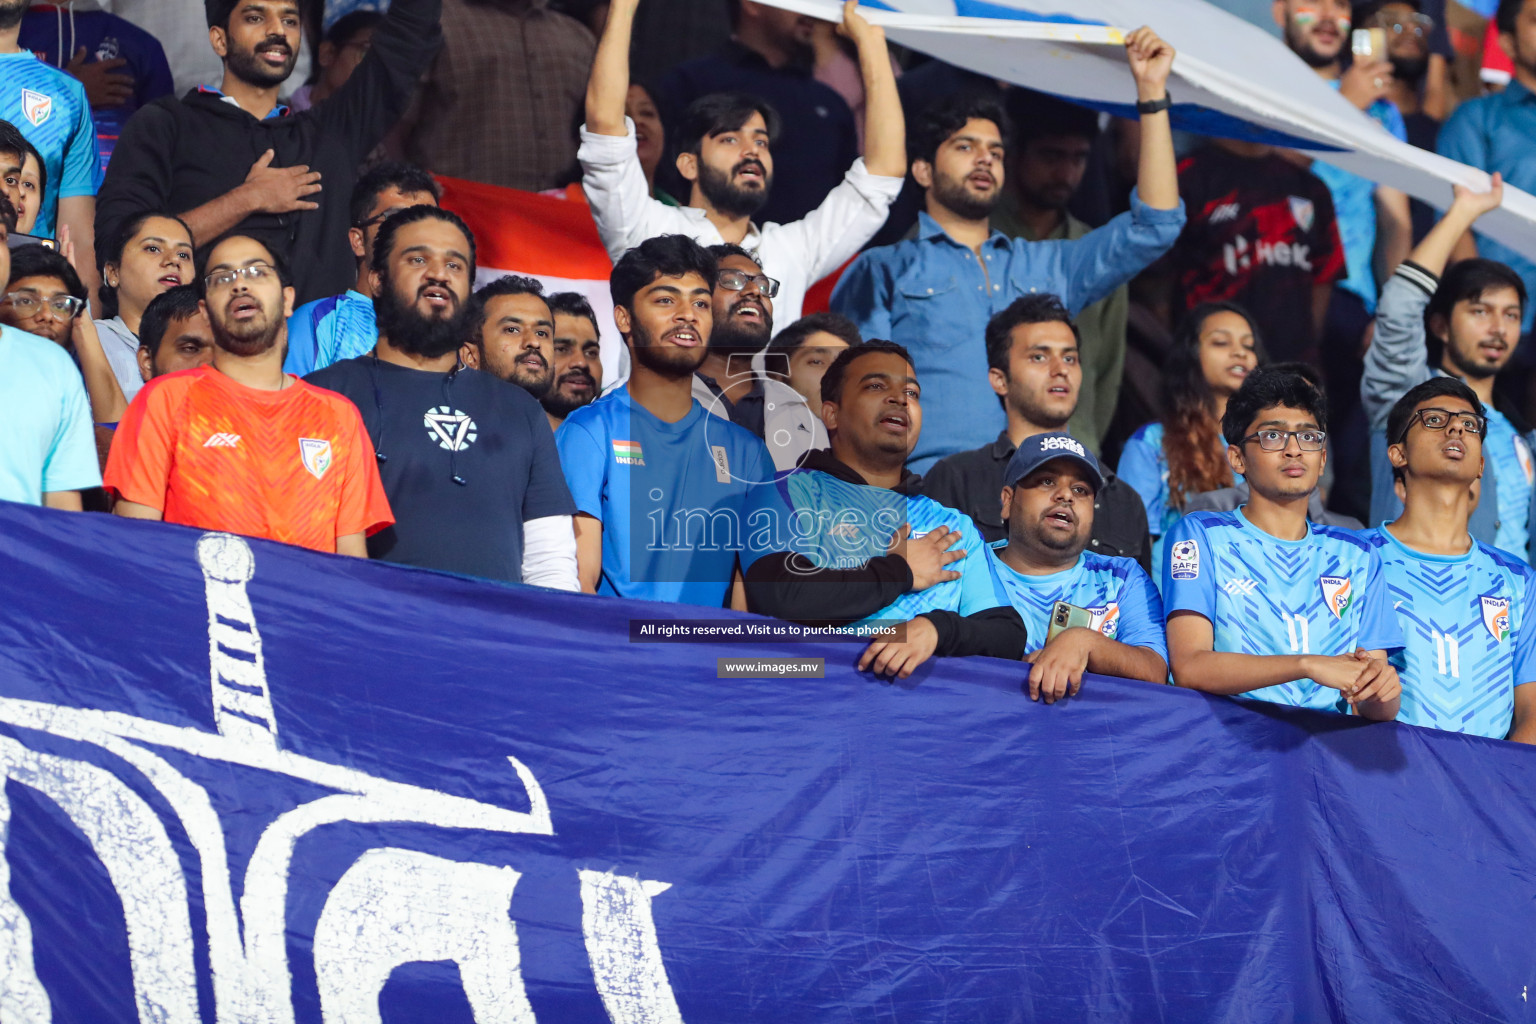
1155	106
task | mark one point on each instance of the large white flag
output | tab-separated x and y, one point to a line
1230	79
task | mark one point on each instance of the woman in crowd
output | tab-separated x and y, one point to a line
1168	461
34	178
153	255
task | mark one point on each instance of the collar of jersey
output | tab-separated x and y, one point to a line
1243	518
281	110
1049	579
1423	556
656	422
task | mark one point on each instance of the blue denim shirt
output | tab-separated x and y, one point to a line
1498	133
932	295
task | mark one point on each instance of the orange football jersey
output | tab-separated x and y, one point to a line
293	465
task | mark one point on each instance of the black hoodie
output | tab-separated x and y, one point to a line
176	155
779	586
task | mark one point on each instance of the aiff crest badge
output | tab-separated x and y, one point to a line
1337	594
1496	617
316	456
36	107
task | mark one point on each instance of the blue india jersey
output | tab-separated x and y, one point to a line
1468	642
839	524
1322	594
329	330
1509	458
1119	593
679	502
49	108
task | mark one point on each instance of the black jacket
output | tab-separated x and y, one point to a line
179	154
787	587
973	482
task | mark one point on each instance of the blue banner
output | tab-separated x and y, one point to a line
245	782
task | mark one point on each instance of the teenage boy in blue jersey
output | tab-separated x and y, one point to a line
1260	601
1048	498
856	506
671	502
1470	320
1465	607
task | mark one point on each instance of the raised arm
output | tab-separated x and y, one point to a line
1435	251
885	131
1157	176
609	83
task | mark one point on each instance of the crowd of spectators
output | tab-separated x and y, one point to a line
1089	394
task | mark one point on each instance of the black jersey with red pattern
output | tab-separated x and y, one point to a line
1261	232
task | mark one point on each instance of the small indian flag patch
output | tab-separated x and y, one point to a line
628	453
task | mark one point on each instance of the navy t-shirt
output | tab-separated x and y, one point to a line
431	427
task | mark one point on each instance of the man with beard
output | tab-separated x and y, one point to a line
728	386
193	156
936	292
1034	366
239	445
468	460
1049	494
1472	317
856	507
1260	601
725	154
1498	132
671	502
578	362
511	334
51	110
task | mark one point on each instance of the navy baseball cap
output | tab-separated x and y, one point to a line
1036	451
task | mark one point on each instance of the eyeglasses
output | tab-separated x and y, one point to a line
254	271
1442	419
28	304
1418	25
737	280
1280	440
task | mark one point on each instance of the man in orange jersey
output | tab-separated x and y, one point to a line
239	445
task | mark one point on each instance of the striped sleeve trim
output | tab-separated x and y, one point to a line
1418	277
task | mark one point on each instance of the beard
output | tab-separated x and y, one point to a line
727	197
536	383
11	12
665	361
429	337
245	338
1302	47
244	65
732	336
953	195
1038	414
557	403
1474	366
1409	69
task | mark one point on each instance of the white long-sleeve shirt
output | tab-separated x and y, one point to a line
797	255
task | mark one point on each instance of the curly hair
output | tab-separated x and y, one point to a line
1192	440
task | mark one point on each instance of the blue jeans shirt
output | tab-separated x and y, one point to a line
934	296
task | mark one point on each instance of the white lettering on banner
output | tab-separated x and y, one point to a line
391	907
397	907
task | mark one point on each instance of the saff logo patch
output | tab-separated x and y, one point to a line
1185	560
1496	617
36	107
316	456
1337	594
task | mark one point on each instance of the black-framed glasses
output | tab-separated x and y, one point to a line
253	271
28	304
1420	25
1442	419
737	280
1311	440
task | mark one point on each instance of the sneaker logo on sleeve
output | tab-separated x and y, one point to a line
316	456
628	453
1185	560
222	441
1337	594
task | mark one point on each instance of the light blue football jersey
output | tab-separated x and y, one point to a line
1119	593
1509	458
50	109
1469	643
839	524
1322	594
329	330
